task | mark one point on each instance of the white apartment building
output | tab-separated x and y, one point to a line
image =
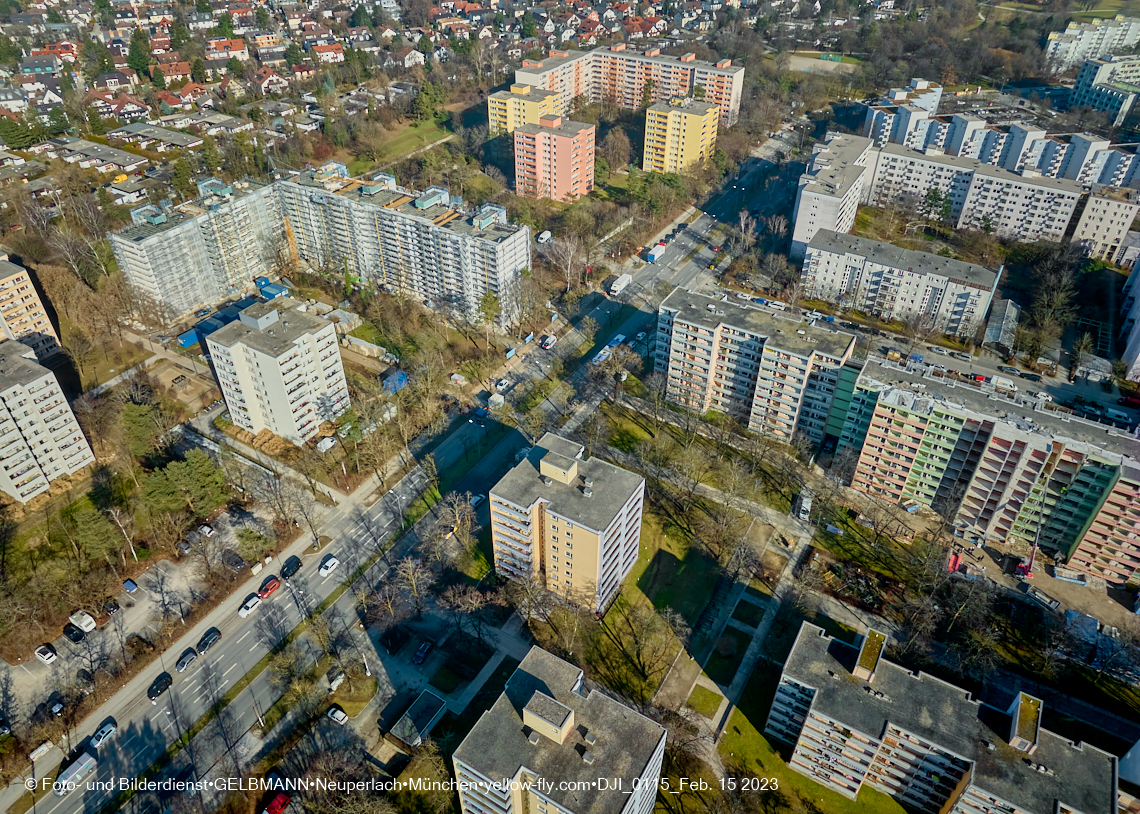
776	374
1108	83
204	250
572	522
832	188
857	719
898	284
547	742
22	314
1104	223
40	440
1080	41
1130	324
382	234
393	238
279	371
620	76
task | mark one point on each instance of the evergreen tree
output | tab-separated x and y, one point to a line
234	67
529	29
210	155
226	26
262	18
138	57
204	7
158	78
182	179
293	55
198	70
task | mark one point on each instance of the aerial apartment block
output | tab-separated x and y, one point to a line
522	104
679	134
1007	465
1080	41
573	522
22	314
40	440
549	738
623	77
1130	324
205	250
857	720
420	243
279	371
775	373
898	284
848	171
1108	83
554	159
383	235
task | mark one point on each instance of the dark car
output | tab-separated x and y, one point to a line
5	727
1033	377
56	705
160	685
422	653
291	567
210	638
186	659
74	633
110	606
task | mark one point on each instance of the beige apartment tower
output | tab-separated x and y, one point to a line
573	522
22	314
548	740
678	135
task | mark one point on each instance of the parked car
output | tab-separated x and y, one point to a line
56	705
110	606
1033	377
328	565
965	357
210	638
291	567
159	686
73	633
249	606
46	653
421	653
188	657
475	501
338	715
206	531
1008	369
270	585
83	620
640	336
103	734
5	727
939	350
502	384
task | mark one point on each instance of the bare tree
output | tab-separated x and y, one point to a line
417	579
564	253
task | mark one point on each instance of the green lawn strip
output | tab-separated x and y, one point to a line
745	750
748	613
445	680
704	701
669	571
727	655
353	700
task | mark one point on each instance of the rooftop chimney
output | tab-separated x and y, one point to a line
869	655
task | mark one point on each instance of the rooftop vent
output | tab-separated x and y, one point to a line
591	738
589	482
588	492
588	758
533	738
546	479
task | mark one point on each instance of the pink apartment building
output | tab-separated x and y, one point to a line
554	159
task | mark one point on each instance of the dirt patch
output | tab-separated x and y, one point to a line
181	383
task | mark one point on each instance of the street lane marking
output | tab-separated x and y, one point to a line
232	668
243	636
253	648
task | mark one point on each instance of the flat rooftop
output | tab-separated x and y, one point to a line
277	339
833	168
566	128
1082	777
688	106
623	740
895	257
151	131
981	168
780	329
190	210
1024	413
18	365
613	486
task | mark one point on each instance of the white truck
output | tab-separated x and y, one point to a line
71	777
1002	383
620	284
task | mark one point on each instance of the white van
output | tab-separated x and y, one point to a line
1117	416
545	237
779	306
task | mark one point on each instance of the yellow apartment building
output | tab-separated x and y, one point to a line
679	134
522	104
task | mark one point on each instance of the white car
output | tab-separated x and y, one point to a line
938	367
338	715
46	653
740	295
502	384
939	351
83	620
206	531
328	566
249	606
103	734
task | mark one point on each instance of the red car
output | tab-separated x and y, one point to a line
268	587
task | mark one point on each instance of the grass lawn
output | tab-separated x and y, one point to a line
748	613
445	680
453	729
704	701
102	366
758	589
744	749
412	138
669	571
727	655
353	700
